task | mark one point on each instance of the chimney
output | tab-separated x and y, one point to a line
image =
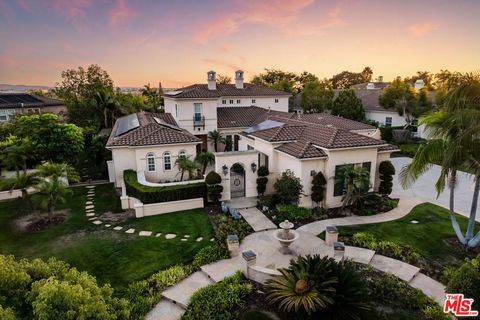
212	80
239	79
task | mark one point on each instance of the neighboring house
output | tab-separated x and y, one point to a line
194	107
149	142
12	104
259	136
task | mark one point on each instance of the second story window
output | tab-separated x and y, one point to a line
254	101
231	101
197	111
276	100
239	101
182	154
151	162
224	101
167	161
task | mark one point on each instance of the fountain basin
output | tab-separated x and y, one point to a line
286	239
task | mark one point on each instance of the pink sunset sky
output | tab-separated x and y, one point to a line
177	42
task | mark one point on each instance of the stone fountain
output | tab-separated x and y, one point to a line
286	236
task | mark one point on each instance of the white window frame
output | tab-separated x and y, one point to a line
388	123
151	166
254	101
7	113
183	153
276	100
167	154
239	101
231	101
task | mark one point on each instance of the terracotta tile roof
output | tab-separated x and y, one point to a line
196	91
388	147
244	117
149	131
284	133
302	149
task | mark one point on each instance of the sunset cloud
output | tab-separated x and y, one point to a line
120	13
422	29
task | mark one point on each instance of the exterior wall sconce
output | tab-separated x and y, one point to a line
254	167
225	169
313	173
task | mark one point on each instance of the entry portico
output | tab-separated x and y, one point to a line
234	182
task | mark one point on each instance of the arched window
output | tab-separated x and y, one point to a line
182	154
151	166
167	161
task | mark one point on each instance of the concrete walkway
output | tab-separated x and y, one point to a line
176	298
256	219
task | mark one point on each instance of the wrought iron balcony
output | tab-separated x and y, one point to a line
198	121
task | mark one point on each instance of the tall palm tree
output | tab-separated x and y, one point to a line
52	191
204	159
216	137
106	103
186	165
23	181
454	144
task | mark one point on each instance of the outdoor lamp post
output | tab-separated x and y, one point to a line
254	167
225	169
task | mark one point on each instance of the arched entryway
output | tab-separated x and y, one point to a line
237	180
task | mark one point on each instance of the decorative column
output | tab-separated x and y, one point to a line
233	245
331	235
251	258
338	251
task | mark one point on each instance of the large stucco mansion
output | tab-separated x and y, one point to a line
260	132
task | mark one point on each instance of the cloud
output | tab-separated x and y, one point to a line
120	13
422	29
275	13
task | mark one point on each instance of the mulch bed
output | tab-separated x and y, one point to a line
45	223
457	246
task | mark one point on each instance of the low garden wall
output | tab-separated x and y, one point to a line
155	200
11	194
261	274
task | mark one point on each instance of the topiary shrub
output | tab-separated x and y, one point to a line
214	189
318	187
386	170
262	180
288	188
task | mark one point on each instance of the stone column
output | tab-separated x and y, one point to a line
251	258
233	245
338	251
331	235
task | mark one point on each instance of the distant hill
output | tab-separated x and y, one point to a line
21	87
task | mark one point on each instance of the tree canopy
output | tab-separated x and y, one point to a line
346	79
317	96
348	105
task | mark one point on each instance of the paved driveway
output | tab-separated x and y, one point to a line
424	188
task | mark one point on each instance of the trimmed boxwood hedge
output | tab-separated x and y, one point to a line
148	194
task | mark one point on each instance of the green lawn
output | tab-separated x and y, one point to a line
111	256
427	237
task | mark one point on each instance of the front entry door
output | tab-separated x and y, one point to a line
237	184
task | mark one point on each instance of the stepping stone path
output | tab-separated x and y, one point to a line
90	214
199	239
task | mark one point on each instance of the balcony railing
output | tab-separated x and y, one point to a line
198	121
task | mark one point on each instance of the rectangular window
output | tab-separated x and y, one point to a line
176	110
224	101
388	121
151	164
239	101
198	111
276	100
228	143
167	162
339	187
5	115
231	101
254	101
33	111
236	138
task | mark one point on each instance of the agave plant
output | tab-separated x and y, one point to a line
307	286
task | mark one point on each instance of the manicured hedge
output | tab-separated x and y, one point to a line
148	194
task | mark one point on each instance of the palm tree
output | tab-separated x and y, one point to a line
455	132
356	181
58	170
106	103
16	154
216	137
51	192
23	181
204	159
186	165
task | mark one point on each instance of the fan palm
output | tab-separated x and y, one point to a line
216	137
16	154
356	181
186	165
23	181
58	170
51	192
204	159
455	132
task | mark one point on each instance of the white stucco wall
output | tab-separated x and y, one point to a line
186	111
380	117
262	102
135	159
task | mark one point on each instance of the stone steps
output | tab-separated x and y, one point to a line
429	286
165	310
398	268
181	293
217	271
